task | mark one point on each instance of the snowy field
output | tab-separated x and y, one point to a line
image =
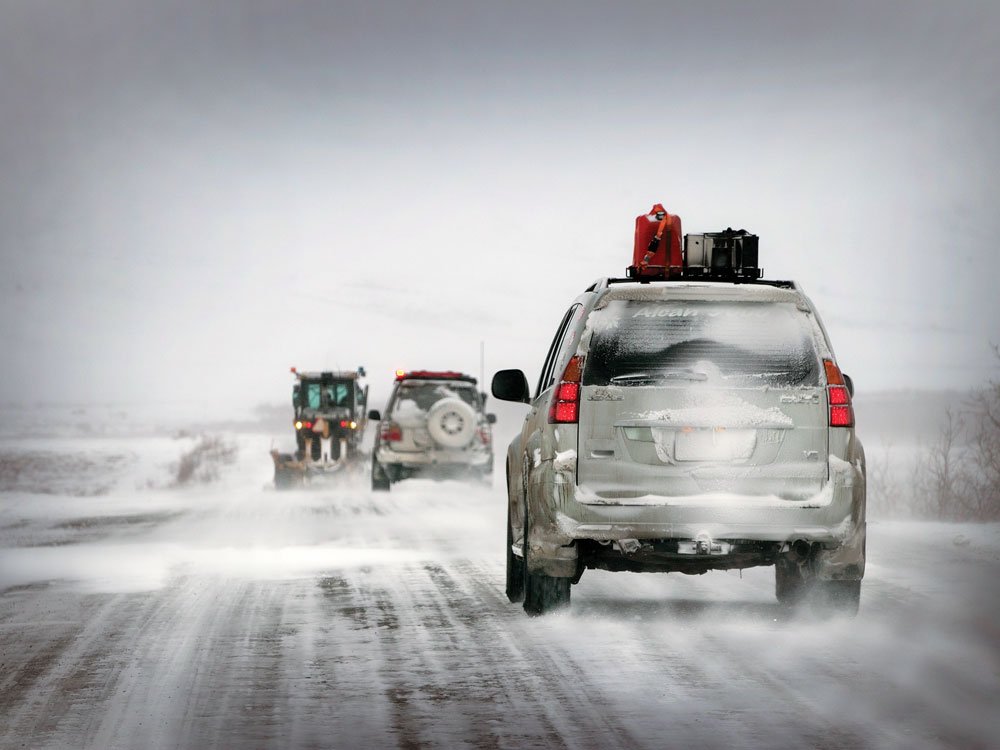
139	612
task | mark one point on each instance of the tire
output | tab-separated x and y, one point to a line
452	423
789	585
838	597
542	594
380	480
792	589
515	568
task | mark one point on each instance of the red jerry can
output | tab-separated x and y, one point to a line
657	253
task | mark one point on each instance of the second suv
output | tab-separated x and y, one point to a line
434	425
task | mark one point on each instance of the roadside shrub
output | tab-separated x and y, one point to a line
886	496
958	476
202	463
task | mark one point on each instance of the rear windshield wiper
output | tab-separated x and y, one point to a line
642	378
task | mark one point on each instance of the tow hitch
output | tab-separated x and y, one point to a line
703	545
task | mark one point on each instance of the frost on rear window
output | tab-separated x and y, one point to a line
683	342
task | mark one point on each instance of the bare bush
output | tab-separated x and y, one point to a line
885	493
983	500
203	461
958	476
941	474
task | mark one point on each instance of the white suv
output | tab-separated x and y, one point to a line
686	426
434	425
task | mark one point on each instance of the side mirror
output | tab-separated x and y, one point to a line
511	385
374	414
849	383
491	418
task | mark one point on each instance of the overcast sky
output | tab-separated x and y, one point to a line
195	196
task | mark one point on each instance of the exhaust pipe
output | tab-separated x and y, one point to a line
799	550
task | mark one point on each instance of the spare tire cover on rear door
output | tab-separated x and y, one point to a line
452	423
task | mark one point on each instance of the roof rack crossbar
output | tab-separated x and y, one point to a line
604	283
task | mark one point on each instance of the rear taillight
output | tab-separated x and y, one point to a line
484	436
839	398
565	407
391	432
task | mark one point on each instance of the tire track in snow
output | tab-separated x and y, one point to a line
536	668
498	690
197	659
82	670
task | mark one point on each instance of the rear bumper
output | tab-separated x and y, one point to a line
420	460
564	513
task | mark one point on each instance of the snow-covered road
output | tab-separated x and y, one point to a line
136	615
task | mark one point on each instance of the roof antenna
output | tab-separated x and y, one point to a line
482	363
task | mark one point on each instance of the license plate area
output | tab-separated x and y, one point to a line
713	444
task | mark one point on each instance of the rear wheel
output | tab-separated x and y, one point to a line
789	585
794	588
515	568
380	480
838	597
542	593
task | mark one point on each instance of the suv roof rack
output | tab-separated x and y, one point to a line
434	375
604	283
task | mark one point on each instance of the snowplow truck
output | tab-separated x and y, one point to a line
329	422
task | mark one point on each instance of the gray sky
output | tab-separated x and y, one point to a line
196	195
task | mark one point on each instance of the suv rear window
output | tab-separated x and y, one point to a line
746	343
424	395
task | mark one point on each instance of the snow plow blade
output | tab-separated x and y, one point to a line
288	472
292	472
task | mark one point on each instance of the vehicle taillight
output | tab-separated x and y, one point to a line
566	404
484	436
391	432
839	398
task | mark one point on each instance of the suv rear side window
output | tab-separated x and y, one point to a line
546	378
745	343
